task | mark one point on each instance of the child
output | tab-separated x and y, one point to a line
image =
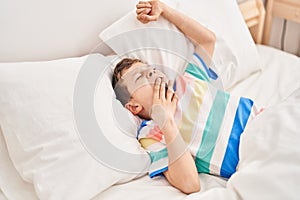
188	126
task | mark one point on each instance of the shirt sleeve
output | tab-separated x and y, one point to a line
198	68
151	139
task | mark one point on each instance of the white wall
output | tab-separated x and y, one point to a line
50	29
54	28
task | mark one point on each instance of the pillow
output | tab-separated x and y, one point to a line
130	38
39	119
235	54
11	184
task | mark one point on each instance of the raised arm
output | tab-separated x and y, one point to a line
151	10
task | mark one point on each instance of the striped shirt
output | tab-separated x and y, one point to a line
209	120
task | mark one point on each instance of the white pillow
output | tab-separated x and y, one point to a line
11	184
38	123
235	54
130	38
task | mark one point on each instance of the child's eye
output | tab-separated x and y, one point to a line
138	76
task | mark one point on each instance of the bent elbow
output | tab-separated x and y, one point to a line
212	41
191	186
186	184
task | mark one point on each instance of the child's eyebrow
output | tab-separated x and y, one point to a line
137	70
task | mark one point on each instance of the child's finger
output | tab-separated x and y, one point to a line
143	11
175	97
149	18
162	91
141	18
170	91
157	88
143	4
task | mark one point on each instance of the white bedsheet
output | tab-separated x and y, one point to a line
2	197
159	188
270	165
270	157
278	78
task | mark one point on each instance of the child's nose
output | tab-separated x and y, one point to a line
150	73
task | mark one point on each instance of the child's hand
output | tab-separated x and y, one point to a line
164	103
148	11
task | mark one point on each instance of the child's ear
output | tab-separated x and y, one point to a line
134	108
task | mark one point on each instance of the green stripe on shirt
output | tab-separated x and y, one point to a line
197	72
157	155
211	131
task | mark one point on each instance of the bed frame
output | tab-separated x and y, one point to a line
253	12
286	9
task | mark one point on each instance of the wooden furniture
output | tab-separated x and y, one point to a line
253	12
286	9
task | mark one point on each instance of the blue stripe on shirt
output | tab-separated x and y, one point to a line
211	73
158	172
231	157
143	124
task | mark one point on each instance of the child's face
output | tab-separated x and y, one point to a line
140	79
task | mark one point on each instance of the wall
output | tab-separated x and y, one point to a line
51	29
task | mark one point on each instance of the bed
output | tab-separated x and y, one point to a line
43	157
